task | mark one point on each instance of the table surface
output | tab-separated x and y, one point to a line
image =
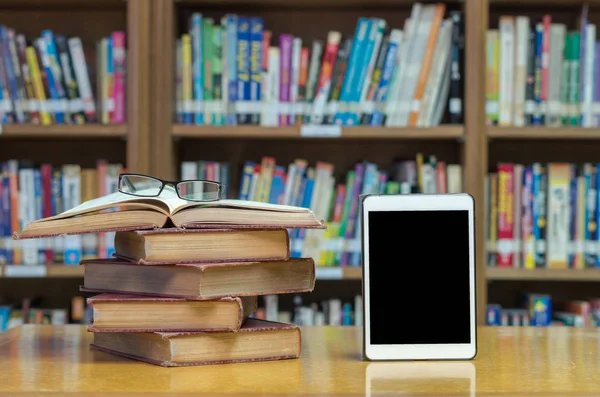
512	360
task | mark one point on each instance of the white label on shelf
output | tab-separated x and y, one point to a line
529	107
329	273
25	271
187	106
491	107
198	106
540	246
34	105
64	105
368	107
76	105
321	131
110	105
455	105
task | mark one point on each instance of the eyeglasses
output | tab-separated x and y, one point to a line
191	190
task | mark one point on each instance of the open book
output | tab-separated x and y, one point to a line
119	211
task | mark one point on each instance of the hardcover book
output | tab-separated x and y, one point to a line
136	313
164	246
202	281
257	340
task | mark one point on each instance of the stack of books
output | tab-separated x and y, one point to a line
186	275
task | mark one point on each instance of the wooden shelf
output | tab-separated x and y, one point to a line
345	4
33	131
447	132
544	133
54	4
529	3
496	273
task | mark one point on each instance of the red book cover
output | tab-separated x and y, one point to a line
505	214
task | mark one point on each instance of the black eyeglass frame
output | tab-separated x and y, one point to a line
172	183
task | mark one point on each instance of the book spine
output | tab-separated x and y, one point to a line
216	65
37	85
272	100
83	79
337	79
546	21
455	107
302	84
243	70
108	82
285	47
264	87
232	48
530	83
596	104
197	67
426	65
296	106
373	85
588	91
16	65
119	71
186	78
367	64
537	88
528	218
522	40
558	216
539	214
565	86
56	109
324	82
573	213
353	70
505	215
207	57
591	237
256	37
75	103
492	69
386	74
313	77
10	77
574	88
507	50
351	223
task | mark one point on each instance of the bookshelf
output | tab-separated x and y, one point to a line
152	142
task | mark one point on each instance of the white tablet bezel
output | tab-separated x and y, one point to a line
418	202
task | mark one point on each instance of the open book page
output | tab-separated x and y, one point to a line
114	200
242	204
167	203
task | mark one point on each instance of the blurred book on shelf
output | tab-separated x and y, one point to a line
332	311
315	187
28	311
543	216
29	192
46	80
543	73
540	311
240	73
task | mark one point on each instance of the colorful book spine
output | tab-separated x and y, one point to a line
386	75
232	47
256	37
207	56
197	67
216	65
243	70
285	67
363	27
119	71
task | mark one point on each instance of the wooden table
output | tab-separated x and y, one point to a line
515	361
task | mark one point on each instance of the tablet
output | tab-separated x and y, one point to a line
418	277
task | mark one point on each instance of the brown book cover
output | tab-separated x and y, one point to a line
257	340
173	245
202	281
137	313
